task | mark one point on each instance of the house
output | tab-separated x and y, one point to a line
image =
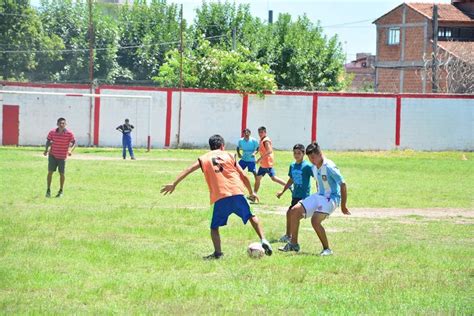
406	37
364	72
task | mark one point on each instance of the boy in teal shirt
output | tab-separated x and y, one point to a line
299	174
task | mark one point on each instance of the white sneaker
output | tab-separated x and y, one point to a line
326	252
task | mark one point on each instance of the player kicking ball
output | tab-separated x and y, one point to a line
332	192
224	178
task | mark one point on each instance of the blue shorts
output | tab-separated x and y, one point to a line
247	164
263	171
236	204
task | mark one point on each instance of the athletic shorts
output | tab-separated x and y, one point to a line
250	165
318	204
223	208
53	164
263	171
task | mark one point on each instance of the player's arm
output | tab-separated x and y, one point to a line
48	143
287	185
238	152
169	188
344	208
73	146
246	182
119	128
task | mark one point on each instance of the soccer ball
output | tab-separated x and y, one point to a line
255	250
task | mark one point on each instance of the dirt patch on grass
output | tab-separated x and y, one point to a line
434	213
117	158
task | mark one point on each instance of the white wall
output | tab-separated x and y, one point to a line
356	123
39	113
203	115
437	124
286	118
113	112
343	122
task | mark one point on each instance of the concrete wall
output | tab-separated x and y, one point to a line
338	121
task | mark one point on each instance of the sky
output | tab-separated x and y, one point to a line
350	20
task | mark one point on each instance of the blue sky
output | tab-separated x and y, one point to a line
355	37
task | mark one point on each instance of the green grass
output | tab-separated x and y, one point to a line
113	244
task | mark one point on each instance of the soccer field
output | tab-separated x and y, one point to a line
113	244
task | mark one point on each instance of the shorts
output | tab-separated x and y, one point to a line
250	165
318	204
53	164
223	208
294	201
263	171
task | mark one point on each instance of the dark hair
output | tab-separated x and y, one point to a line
127	120
216	141
313	148
246	130
299	147
262	129
60	119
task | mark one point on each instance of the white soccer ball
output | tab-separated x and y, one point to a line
255	250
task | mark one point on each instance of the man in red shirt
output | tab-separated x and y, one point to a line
59	139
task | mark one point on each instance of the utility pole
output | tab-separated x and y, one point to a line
234	35
434	63
91	67
181	48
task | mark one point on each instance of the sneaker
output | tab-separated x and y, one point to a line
267	247
48	193
285	238
60	194
133	158
290	247
326	252
214	256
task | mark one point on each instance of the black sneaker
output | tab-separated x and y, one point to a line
48	193
267	247
60	194
214	256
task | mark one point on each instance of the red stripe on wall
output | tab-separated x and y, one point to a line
398	119
314	121
96	117
10	124
169	108
245	107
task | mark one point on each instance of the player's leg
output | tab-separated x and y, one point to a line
216	240
296	214
130	147
261	172
274	178
124	146
52	166
62	176
316	220
257	226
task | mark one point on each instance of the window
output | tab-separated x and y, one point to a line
444	32
394	36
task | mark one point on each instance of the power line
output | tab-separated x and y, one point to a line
347	23
97	48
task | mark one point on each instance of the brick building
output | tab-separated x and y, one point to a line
364	72
405	44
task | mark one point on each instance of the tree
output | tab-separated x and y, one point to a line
149	30
214	68
69	20
24	43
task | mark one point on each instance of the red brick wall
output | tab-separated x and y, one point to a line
388	80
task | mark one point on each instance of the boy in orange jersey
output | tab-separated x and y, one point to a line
266	160
224	178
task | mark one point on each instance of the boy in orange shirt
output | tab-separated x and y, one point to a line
224	178
266	160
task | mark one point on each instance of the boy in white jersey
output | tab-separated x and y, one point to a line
332	192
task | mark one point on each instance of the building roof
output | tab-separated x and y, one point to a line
446	12
462	50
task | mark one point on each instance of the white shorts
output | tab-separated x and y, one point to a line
318	204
